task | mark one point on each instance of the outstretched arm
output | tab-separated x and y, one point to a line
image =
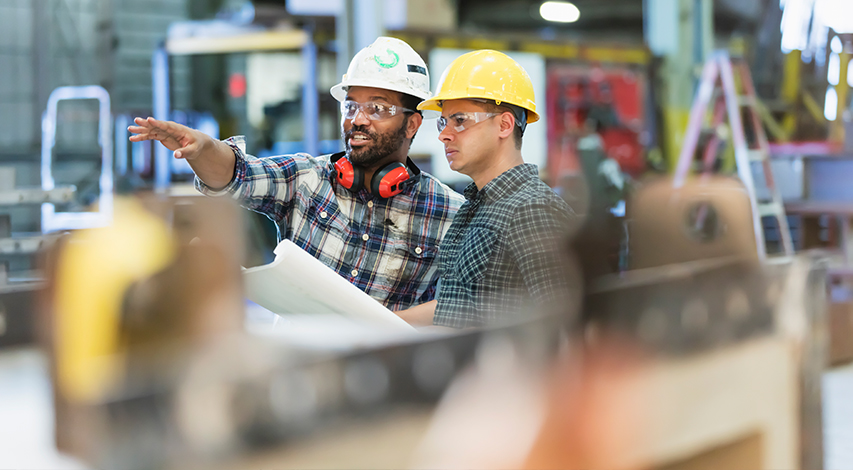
211	160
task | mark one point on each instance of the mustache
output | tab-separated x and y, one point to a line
361	129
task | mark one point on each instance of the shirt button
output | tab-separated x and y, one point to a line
365	237
418	250
323	215
369	203
354	272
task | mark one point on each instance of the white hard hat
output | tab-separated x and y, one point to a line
388	63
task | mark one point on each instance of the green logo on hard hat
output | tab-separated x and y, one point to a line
393	59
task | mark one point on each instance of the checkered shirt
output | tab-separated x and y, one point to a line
505	252
385	247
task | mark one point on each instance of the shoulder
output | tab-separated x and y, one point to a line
297	165
321	163
536	200
435	189
536	192
300	160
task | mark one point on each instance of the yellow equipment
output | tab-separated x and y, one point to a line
94	271
163	275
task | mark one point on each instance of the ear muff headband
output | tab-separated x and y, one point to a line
385	182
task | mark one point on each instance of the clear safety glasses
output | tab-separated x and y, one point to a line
461	121
373	110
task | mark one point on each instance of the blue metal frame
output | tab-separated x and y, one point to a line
161	108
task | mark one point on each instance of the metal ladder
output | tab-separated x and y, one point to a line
729	104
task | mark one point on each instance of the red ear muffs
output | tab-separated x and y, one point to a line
387	180
347	175
384	183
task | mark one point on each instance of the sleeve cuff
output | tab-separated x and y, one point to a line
238	146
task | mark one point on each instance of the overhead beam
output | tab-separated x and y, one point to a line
251	42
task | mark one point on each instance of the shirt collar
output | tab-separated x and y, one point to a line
504	184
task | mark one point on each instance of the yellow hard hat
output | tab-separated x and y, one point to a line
485	74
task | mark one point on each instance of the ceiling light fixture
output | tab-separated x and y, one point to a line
559	12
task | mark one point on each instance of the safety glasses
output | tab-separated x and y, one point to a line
462	121
373	110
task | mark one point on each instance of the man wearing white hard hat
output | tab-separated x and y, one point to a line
368	213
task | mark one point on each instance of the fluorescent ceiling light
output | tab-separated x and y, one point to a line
837	14
833	69
559	12
836	46
830	109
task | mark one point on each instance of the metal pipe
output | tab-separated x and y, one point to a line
310	100
160	107
40	60
344	37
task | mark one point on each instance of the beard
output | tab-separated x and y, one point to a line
381	145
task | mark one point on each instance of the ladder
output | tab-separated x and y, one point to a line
729	104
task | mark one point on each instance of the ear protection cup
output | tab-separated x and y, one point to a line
386	182
347	175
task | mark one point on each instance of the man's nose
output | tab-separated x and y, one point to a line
445	135
360	118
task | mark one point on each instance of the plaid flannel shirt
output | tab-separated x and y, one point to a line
385	247
504	252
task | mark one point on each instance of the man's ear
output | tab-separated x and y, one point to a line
507	123
413	124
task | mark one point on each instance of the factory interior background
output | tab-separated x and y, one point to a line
705	147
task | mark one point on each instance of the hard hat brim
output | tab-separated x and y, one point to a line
339	91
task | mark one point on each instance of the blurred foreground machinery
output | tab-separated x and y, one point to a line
700	357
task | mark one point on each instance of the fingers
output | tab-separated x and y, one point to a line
138	136
176	137
164	125
150	129
143	133
142	130
139	133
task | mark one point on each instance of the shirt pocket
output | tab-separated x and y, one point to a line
325	230
409	269
409	261
474	254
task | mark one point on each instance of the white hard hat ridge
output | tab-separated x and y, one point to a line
388	63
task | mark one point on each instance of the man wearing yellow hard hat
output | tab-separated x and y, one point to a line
504	252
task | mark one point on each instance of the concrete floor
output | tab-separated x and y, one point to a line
26	421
